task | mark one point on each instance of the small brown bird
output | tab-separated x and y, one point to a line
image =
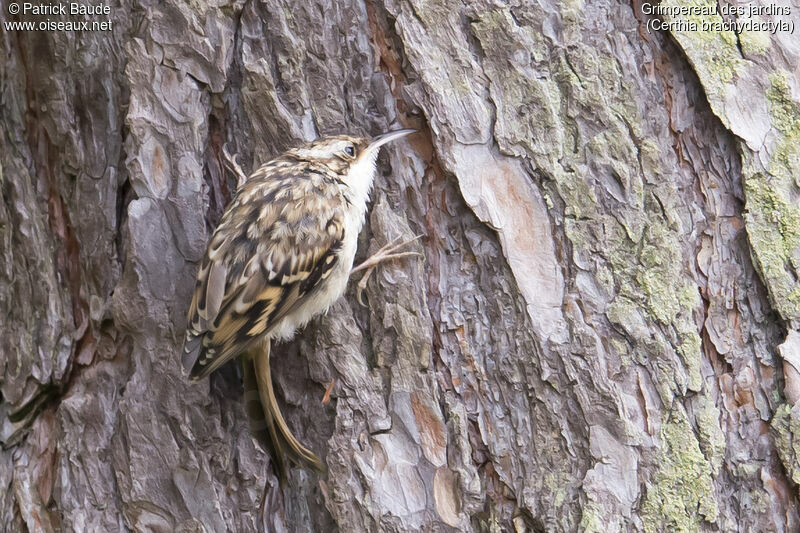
282	254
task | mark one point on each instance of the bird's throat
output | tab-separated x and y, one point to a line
359	180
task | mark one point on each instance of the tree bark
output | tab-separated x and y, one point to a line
603	333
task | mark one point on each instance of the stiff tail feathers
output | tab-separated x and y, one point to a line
266	421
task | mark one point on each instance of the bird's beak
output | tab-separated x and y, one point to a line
380	140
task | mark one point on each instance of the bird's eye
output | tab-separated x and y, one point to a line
350	150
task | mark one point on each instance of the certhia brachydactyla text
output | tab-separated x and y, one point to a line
282	253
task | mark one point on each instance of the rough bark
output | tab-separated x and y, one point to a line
603	334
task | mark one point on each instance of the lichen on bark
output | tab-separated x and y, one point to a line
596	338
681	494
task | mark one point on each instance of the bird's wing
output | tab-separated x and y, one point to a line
276	242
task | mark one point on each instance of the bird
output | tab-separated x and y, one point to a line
282	254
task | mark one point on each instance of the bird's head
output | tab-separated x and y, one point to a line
352	158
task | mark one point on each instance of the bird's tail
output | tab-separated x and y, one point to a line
266	421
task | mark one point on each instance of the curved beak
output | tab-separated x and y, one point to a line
380	140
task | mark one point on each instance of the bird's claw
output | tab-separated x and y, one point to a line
385	253
362	284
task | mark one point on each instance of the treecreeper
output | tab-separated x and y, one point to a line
282	254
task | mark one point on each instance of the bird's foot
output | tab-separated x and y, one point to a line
241	177
386	253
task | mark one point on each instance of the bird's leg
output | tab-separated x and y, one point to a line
241	177
386	253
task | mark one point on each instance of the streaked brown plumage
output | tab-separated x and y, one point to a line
282	253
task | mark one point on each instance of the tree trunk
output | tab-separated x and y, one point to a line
602	334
